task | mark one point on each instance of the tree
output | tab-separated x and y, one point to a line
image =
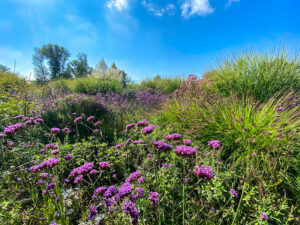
79	67
4	68
57	57
41	72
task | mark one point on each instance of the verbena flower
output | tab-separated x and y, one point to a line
110	192
130	209
97	123
90	119
78	179
99	191
86	168
204	172
92	172
183	150
154	198
143	123
68	156
77	119
92	212
118	146
161	146
254	154
173	137
46	164
264	216
140	192
50	186
127	142
12	129
214	144
148	130
280	109
133	176
125	189
234	193
187	142
55	152
51	146
67	130
55	130
141	180
104	165
129	126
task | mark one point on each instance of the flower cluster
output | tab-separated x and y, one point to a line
187	142
234	193
125	189
118	146
55	130
148	130
204	172
46	164
133	176
87	167
214	144
129	126
264	216
68	156
99	191
93	212
173	137
77	119
104	165
90	119
12	129
161	146
51	146
280	109
111	191
136	142
153	197
130	209
183	150
143	123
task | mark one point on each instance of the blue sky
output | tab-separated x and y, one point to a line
147	37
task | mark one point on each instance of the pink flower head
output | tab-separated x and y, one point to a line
173	137
204	172
118	146
55	152
148	130
254	154
154	198
143	123
104	165
55	130
264	216
86	168
129	126
161	146
77	119
187	142
133	176
280	109
234	193
125	189
97	123
67	130
183	150
141	180
68	156
90	119
78	179
214	143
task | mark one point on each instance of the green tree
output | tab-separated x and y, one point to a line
41	72
79	67
4	68
57	57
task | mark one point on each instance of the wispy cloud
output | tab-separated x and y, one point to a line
169	9
196	7
230	2
117	4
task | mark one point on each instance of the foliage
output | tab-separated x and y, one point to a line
79	67
167	85
260	76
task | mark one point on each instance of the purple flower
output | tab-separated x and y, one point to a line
173	137
161	146
183	150
12	129
140	192
10	143
19	117
55	152
104	165
93	212
86	168
264	216
234	193
46	164
92	172
117	146
125	189
39	120
51	146
68	156
127	142
133	176
77	119
114	176
67	130
185	180
187	142
129	126
55	130
50	186
124	155
143	123
141	180
153	197
44	175
164	166
99	191
97	123
78	179
280	109
204	172
1	135
90	119
110	192
130	209
44	192
148	129
214	143
277	115
138	142
254	154
66	180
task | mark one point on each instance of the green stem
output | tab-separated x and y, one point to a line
237	210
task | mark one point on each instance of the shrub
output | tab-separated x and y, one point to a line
260	76
168	85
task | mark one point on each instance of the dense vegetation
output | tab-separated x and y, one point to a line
100	149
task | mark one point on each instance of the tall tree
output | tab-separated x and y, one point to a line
79	67
41	72
4	68
56	56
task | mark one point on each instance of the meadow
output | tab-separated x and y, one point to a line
217	148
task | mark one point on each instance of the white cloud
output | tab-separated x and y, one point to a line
118	4
168	9
230	2
196	7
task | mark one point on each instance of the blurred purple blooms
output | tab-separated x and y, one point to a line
204	172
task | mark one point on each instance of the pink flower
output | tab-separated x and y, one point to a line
104	165
264	216
55	130
148	130
77	119
214	143
90	119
